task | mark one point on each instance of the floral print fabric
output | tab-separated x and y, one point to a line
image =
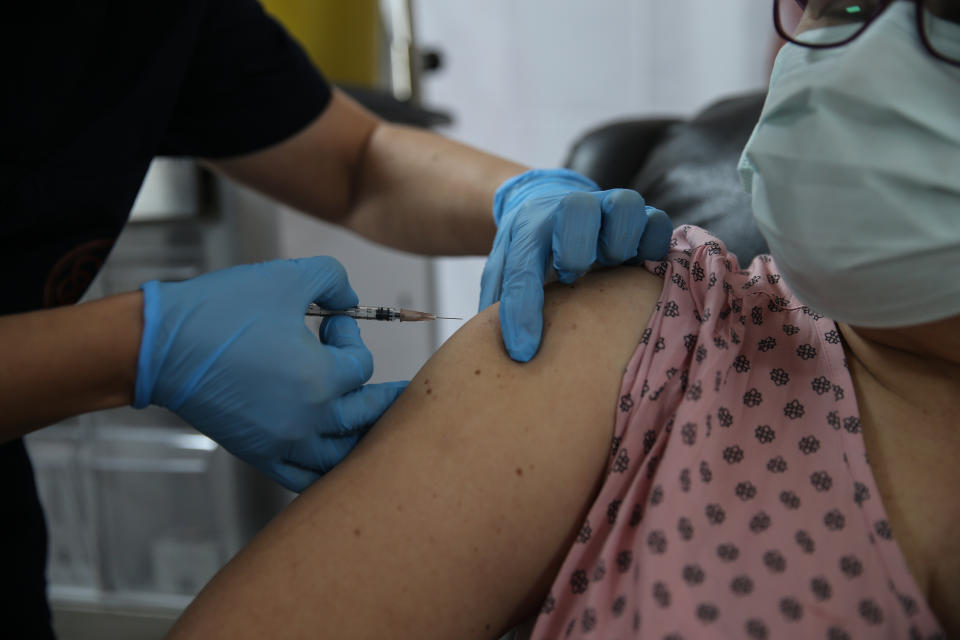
738	501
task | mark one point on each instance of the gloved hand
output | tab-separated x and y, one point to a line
229	353
559	218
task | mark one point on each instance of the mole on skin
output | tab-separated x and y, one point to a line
356	532
519	471
477	372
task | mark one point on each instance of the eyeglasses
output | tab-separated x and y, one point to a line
938	22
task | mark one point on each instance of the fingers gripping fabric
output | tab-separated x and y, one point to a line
559	219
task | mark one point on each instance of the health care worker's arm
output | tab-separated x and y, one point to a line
66	361
399	186
452	517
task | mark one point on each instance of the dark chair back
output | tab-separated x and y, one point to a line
688	168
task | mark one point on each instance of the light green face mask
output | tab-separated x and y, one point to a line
854	169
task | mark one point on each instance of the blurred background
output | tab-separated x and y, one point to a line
141	509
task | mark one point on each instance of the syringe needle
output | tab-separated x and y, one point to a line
408	315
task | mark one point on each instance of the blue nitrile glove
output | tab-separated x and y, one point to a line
229	353
559	218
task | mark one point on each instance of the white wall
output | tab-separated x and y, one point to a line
524	78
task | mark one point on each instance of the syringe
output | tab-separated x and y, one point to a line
389	314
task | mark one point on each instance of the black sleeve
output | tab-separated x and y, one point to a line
249	85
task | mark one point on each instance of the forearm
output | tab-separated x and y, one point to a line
66	361
402	187
420	192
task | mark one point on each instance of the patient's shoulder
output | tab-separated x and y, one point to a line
590	330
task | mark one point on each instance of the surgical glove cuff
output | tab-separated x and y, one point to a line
146	366
536	183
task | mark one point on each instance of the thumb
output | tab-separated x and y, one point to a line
521	319
491	279
326	283
521	300
521	314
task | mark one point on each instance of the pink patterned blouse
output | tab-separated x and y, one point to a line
738	501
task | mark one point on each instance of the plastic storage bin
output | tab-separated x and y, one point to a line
65	491
164	504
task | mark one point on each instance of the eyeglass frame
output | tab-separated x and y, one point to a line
921	29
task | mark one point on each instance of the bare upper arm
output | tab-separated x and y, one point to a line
453	515
313	170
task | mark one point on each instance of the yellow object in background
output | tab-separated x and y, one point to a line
341	36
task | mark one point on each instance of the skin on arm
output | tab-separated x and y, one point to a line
399	186
452	517
62	362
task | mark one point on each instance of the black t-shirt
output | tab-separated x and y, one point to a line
90	92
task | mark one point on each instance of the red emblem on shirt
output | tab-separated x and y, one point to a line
73	273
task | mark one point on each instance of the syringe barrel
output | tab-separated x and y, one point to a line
358	313
374	313
389	314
